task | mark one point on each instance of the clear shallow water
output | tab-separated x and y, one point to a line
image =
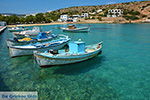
122	72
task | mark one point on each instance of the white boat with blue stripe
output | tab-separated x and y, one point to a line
28	49
41	37
30	33
73	28
77	52
17	29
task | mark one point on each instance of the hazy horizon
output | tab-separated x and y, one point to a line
30	7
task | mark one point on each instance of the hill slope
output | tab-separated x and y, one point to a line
143	7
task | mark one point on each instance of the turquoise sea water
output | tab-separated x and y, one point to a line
122	72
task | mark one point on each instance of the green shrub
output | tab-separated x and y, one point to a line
105	13
131	17
93	18
86	18
145	6
132	12
101	15
99	18
144	16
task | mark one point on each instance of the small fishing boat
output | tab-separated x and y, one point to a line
73	28
2	28
42	37
17	29
77	52
28	49
29	33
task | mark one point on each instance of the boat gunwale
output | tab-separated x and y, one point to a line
63	57
30	33
44	66
76	29
36	40
13	47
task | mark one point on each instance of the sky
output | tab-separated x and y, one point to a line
37	6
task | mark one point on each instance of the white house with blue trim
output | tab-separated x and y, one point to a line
63	18
114	13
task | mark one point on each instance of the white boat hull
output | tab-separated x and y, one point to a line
49	61
28	34
33	35
14	52
19	30
9	43
12	43
85	29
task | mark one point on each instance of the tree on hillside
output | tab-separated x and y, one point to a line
40	18
30	19
52	16
93	10
22	20
131	17
131	12
2	18
12	19
48	20
99	18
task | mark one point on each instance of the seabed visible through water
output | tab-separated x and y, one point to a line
122	72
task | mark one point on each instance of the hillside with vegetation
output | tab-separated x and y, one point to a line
131	11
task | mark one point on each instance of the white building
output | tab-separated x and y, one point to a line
115	13
49	11
31	14
64	17
6	15
76	16
92	13
100	10
75	19
146	21
72	20
84	15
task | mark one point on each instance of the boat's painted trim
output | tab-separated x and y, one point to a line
69	59
11	42
44	60
37	47
84	29
44	66
18	52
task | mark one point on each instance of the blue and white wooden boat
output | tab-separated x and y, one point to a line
28	49
17	29
42	37
29	33
73	28
77	52
2	28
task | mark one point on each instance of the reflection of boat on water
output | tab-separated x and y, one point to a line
17	29
41	37
29	33
77	52
28	49
73	28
